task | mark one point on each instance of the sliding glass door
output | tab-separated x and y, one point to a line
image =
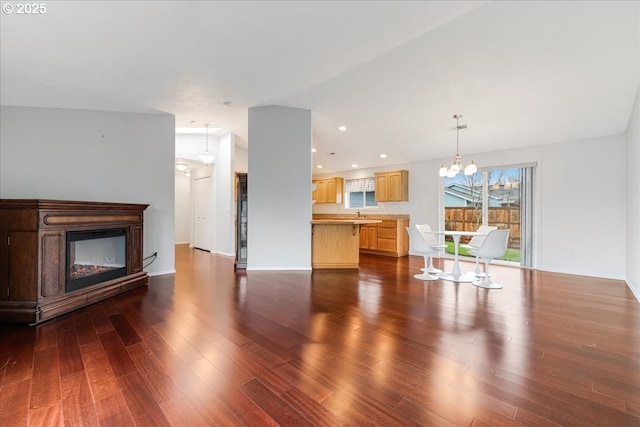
500	197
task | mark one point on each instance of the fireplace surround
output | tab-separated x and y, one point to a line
57	256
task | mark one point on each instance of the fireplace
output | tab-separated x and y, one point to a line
61	255
95	256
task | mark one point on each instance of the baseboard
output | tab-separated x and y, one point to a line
636	293
225	254
279	269
161	273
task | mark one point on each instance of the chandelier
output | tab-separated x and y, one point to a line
207	157
457	166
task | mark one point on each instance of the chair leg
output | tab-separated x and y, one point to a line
431	268
487	283
477	270
425	275
428	260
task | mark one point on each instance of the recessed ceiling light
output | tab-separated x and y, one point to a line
342	128
383	156
319	166
354	165
313	150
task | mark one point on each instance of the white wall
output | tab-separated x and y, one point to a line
241	159
582	208
579	200
224	182
183	208
633	199
279	187
49	153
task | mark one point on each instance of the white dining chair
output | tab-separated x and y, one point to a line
433	243
494	246
476	242
418	245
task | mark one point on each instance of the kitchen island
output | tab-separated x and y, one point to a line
335	243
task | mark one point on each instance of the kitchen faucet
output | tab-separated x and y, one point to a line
358	212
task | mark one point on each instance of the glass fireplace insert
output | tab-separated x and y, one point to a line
95	256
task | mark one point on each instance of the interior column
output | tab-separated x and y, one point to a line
279	214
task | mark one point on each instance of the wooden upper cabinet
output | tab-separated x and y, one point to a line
319	195
328	190
331	191
392	186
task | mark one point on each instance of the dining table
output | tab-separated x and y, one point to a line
456	275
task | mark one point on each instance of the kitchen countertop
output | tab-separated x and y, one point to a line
345	221
362	216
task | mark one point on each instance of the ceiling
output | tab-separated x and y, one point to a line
394	73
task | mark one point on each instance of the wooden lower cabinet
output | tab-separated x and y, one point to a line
334	246
389	238
369	237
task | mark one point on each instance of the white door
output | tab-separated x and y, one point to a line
202	219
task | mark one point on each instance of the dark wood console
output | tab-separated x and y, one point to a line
33	255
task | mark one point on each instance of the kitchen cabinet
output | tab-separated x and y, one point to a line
334	242
389	237
369	236
386	235
328	190
392	186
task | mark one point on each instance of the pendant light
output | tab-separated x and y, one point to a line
207	157
457	166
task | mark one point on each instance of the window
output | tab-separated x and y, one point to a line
499	197
360	193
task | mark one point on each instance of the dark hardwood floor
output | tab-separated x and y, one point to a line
371	347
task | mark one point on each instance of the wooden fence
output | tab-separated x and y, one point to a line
470	218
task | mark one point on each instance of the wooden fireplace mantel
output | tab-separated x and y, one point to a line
33	255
